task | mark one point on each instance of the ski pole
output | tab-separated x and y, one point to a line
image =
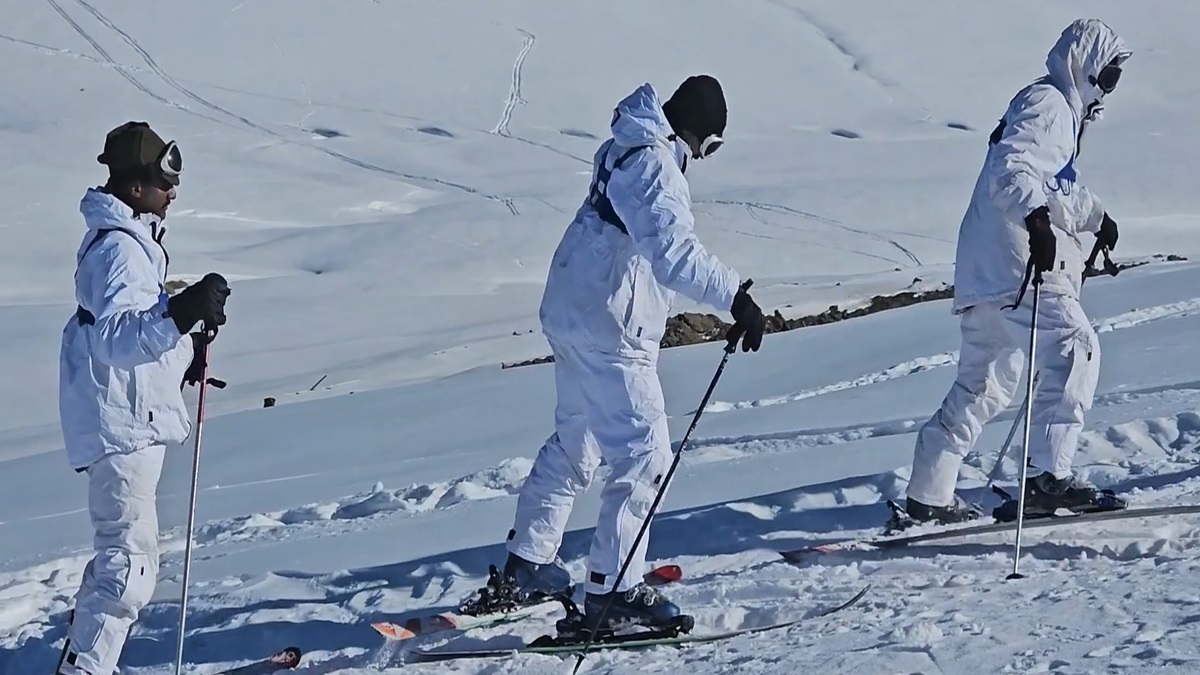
1012	431
191	521
730	346
1024	468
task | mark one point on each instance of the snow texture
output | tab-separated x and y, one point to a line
385	201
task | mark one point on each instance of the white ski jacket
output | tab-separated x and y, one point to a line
120	375
611	290
1030	163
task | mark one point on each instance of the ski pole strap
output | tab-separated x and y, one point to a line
1025	284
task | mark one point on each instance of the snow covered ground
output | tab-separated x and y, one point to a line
383	183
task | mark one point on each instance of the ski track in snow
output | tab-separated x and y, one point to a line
781	208
226	117
514	88
859	63
1131	319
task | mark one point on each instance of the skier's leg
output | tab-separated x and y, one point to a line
1068	355
989	371
629	419
120	578
564	466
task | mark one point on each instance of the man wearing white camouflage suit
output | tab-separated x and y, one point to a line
125	355
629	250
1027	201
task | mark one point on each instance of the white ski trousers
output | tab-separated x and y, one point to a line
990	367
610	406
120	579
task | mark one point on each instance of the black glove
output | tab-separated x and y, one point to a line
202	301
748	322
195	369
1041	239
1108	233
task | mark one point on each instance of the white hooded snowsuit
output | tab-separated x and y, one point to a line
121	365
1030	163
604	311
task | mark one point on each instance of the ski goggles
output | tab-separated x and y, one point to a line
170	161
711	145
1110	74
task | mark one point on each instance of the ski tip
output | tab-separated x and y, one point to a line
664	574
392	631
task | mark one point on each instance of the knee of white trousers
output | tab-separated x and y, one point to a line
120	585
545	501
1066	394
625	506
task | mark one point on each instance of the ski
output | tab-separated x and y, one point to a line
285	659
463	620
888	542
551	645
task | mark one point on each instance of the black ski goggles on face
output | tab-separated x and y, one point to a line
711	145
1110	74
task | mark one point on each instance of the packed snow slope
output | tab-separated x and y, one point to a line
384	182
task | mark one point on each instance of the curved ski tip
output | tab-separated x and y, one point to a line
665	574
392	631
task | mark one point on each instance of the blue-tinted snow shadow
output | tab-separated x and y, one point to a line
787	519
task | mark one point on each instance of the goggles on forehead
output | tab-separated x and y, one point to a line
170	161
711	145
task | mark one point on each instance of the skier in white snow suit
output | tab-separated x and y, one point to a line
1027	200
125	355
629	250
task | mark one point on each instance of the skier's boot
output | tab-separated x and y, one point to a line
539	581
1045	494
521	583
621	612
919	513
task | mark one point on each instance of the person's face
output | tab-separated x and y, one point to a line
152	194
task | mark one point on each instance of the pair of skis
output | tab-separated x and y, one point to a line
550	645
547	644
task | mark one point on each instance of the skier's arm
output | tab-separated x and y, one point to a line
1037	142
131	328
653	203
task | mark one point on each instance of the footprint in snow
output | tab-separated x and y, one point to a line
578	133
436	131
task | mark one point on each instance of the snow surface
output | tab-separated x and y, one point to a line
384	182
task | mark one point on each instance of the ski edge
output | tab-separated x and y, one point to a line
800	554
287	658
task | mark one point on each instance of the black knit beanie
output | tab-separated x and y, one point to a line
698	106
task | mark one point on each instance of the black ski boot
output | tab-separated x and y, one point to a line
1045	494
918	513
641	613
